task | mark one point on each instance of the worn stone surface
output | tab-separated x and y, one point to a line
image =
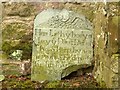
1	6
106	46
63	43
25	67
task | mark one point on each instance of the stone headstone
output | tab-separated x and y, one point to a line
63	43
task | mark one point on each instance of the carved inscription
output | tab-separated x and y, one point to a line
62	45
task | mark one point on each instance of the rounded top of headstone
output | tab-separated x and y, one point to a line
65	19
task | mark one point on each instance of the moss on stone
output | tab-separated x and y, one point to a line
13	31
102	84
19	9
7	48
113	37
13	35
54	84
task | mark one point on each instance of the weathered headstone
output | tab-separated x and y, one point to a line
63	43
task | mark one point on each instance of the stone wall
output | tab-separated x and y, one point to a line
0	43
106	45
18	17
17	28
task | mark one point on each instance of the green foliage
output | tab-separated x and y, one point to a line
27	49
7	48
13	34
25	82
